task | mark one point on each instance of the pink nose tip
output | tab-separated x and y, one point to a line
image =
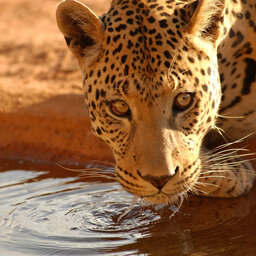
158	182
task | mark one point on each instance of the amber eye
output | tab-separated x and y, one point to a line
183	101
119	108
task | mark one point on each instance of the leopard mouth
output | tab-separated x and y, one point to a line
163	197
170	193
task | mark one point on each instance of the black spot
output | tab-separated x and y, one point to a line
197	81
117	19
158	42
97	94
167	64
231	33
99	131
170	32
152	31
115	13
130	21
185	48
221	77
171	44
209	120
123	59
174	39
145	12
163	23
107	79
126	70
234	85
240	38
135	32
93	105
190	59
151	19
175	20
158	36
250	75
167	54
121	27
233	71
115	38
103	93
129	13
113	78
205	88
130	44
90	88
118	49
91	73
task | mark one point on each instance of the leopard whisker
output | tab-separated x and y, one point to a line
198	190
231	143
227	154
89	133
98	176
227	170
226	158
234	163
228	161
181	199
214	176
230	117
103	162
224	152
220	131
207	184
80	170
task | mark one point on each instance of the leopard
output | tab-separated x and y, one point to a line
161	80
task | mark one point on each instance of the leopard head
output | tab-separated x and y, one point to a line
151	85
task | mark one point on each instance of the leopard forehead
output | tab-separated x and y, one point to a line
145	52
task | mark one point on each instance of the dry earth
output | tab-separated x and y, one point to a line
42	112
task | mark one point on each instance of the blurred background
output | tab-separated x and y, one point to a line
42	111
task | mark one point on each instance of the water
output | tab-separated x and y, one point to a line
47	210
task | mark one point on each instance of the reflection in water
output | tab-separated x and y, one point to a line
48	210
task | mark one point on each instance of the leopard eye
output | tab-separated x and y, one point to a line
120	108
183	101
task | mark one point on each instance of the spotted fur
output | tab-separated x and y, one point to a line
145	53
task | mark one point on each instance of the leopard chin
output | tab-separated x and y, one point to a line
161	199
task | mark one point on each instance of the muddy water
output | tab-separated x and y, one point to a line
47	210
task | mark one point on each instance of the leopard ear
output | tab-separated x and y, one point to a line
82	28
205	22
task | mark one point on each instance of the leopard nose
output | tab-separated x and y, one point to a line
159	182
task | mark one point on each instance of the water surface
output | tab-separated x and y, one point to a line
48	210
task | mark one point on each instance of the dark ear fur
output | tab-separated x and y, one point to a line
82	28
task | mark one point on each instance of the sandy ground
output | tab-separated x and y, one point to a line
42	112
